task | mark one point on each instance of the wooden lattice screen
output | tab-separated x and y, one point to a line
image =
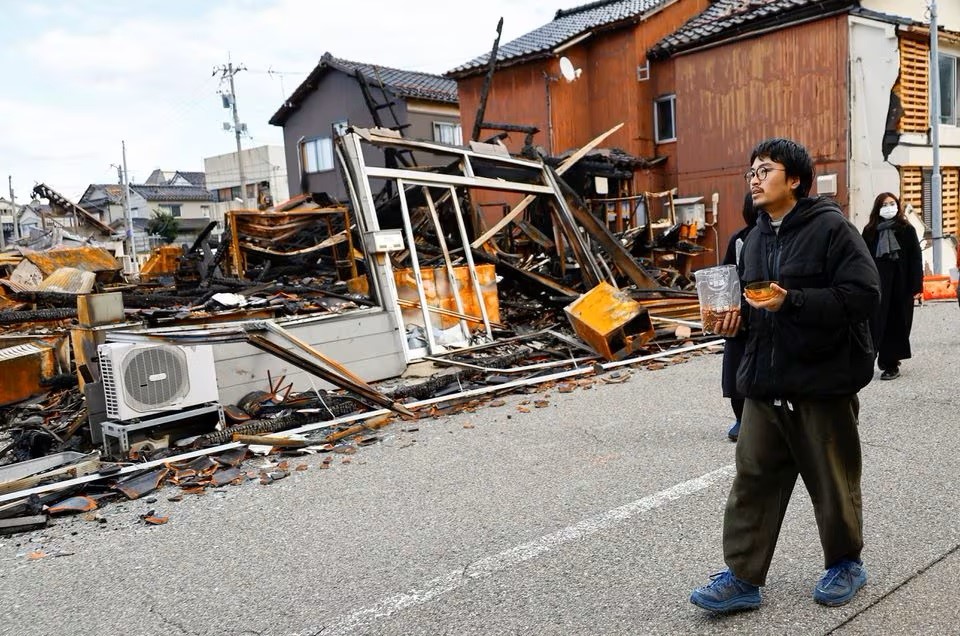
912	192
913	85
951	200
911	187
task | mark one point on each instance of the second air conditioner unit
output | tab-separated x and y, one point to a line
141	380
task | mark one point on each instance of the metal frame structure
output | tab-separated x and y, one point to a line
465	170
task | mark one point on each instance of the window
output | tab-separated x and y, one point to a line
205	211
317	155
448	132
172	209
234	193
949	90
664	118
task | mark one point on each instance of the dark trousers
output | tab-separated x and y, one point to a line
817	440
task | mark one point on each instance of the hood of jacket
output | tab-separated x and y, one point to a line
806	210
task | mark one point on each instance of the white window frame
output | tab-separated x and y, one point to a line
457	134
672	100
317	155
951	92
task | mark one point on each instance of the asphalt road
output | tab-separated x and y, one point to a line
595	514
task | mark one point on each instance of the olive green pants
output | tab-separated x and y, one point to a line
817	440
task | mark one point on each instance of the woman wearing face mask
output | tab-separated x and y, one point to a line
896	251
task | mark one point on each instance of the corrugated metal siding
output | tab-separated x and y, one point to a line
518	95
790	83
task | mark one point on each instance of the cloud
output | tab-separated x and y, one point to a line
96	73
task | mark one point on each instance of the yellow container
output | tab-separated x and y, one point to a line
610	321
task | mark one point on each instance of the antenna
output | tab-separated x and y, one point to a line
567	70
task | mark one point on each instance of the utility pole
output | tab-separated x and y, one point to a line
13	213
131	242
13	206
936	181
227	72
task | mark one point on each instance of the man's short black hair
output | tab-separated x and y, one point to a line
794	158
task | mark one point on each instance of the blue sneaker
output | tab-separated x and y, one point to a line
840	583
734	431
726	593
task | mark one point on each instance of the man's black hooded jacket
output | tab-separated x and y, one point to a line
818	345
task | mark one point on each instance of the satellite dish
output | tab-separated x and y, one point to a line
566	69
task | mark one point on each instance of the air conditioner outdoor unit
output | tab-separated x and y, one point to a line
140	380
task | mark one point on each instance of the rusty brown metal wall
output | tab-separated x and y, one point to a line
790	83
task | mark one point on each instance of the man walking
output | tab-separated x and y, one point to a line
808	353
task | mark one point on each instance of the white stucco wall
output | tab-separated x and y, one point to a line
948	11
874	65
263	163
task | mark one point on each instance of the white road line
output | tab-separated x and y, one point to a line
521	553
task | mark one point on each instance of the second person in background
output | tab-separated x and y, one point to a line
733	347
896	251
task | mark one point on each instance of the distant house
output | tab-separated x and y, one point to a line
849	79
178	198
265	171
179	194
340	93
178	177
106	200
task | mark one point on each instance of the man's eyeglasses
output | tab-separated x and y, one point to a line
760	173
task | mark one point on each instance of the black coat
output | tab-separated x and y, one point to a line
900	280
818	345
733	347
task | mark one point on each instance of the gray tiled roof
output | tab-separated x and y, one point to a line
172	193
404	83
566	25
730	18
196	178
100	193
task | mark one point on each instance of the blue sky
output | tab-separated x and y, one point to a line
82	75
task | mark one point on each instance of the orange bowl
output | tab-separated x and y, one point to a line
760	290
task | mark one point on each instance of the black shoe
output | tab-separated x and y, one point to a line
890	374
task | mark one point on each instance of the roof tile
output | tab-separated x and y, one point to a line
566	25
727	18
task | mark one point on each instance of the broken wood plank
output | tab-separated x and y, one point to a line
67	472
527	200
270	440
22	524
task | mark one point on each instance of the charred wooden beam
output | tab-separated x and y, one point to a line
37	315
487	81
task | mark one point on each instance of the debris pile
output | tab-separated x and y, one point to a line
306	327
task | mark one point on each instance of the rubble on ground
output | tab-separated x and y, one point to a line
554	294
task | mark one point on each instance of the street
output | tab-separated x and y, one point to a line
595	514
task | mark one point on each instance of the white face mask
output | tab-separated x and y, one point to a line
888	211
